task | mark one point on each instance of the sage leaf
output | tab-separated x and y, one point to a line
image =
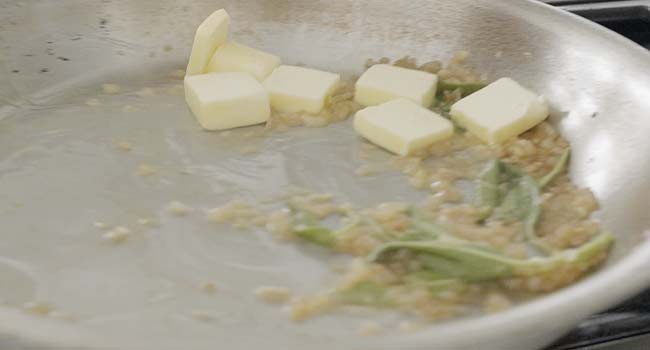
508	194
318	235
456	260
451	259
433	281
465	88
489	195
558	169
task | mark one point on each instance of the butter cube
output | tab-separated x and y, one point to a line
298	89
227	100
210	34
499	111
234	57
402	126
382	83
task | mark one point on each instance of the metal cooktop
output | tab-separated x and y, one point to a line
627	326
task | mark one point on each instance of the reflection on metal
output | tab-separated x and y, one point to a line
56	54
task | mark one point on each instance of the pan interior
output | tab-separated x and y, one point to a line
60	171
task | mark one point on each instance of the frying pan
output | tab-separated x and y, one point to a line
59	170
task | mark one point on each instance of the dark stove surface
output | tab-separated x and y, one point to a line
638	31
628	322
630	18
627	326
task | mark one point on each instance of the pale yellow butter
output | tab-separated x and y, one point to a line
227	100
402	126
299	89
499	111
382	83
210	34
235	57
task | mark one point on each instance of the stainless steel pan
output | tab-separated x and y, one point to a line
59	172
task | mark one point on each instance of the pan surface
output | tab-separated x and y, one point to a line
61	172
